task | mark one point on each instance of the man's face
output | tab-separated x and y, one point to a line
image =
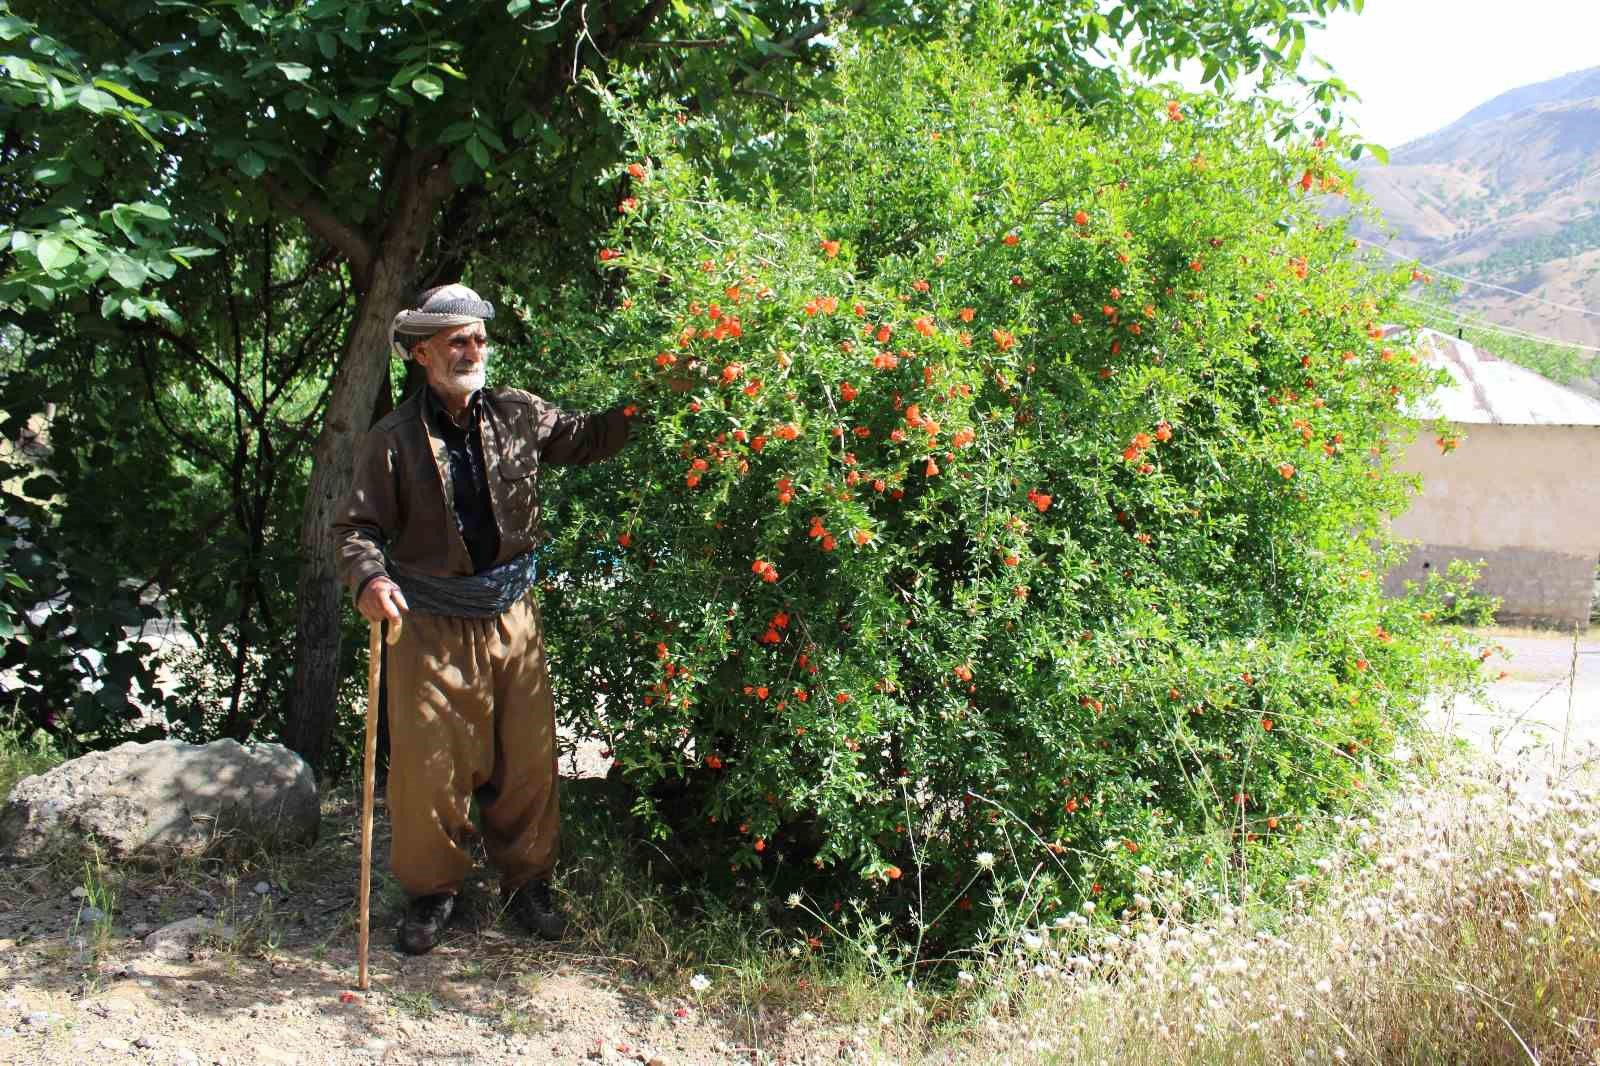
455	360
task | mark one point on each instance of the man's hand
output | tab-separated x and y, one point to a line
381	601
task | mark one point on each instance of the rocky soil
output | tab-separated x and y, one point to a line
253	961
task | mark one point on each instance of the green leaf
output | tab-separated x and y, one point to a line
428	86
328	45
129	273
252	164
517	7
452	71
148	210
12	27
53	172
19	69
480	154
95	101
122	91
1379	152
295	71
55	253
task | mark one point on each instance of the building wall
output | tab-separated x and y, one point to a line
1523	499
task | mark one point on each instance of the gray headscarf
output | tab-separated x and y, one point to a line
445	307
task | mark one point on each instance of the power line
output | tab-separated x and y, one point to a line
1484	284
1458	319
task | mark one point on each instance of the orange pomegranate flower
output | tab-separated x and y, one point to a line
830	247
1003	339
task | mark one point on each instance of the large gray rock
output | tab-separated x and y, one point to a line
165	798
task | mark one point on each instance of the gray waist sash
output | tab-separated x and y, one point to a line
483	595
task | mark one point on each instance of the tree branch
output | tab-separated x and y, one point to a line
640	22
713	42
321	220
190	349
800	37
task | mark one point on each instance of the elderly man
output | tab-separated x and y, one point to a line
441	524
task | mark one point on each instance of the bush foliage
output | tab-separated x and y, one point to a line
1016	485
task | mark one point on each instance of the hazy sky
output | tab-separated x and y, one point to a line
1422	64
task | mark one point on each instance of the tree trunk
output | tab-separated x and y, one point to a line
313	706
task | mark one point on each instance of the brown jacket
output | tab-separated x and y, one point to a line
399	500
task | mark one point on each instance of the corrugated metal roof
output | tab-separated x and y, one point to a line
1487	389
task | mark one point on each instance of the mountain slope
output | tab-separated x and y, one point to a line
1509	194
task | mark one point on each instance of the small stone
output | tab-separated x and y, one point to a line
174	941
90	915
80	892
6	1033
377	1045
184	1057
262	888
141	929
145	1042
39	1019
111	1043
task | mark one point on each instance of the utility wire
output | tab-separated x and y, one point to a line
1458	319
1484	284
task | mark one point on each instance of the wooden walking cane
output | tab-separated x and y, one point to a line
369	785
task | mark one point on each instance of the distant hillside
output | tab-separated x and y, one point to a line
1510	194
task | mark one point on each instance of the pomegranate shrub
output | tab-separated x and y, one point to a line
1014	484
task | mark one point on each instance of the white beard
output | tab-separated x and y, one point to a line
466	382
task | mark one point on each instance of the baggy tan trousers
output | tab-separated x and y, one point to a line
470	716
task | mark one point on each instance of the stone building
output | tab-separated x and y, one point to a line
1520	492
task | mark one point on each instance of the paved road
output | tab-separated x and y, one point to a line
1540	698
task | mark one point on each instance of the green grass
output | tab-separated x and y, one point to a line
19	758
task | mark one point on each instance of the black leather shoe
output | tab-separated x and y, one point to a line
425	922
534	910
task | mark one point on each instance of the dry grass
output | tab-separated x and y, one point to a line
1460	927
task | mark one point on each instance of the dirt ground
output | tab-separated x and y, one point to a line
274	983
1543	701
276	986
